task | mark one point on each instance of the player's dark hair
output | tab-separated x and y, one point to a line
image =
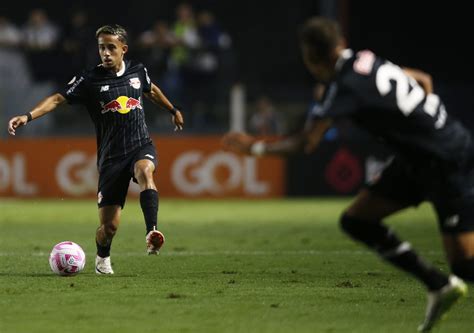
320	36
113	29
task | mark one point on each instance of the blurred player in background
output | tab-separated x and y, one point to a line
112	93
433	161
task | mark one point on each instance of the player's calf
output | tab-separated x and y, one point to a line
382	240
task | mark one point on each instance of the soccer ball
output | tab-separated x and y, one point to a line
67	259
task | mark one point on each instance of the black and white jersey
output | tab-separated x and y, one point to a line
380	98
115	105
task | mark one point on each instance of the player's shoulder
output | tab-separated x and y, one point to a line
134	66
360	63
359	68
90	73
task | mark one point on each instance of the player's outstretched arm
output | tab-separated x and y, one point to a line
314	133
307	140
45	106
157	97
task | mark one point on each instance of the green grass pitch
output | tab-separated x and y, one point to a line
227	266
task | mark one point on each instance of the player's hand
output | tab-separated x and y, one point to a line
314	133
178	121
16	122
424	79
238	142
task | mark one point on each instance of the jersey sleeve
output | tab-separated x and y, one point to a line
76	90
146	80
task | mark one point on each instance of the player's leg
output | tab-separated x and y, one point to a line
456	221
149	199
400	186
113	186
460	252
109	217
143	170
363	222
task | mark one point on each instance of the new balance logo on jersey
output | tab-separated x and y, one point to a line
104	88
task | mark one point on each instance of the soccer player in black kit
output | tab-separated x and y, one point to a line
433	157
112	93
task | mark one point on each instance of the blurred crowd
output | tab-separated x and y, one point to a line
190	57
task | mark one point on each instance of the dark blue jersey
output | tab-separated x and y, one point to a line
115	104
380	98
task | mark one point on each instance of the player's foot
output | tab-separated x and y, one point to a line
440	301
154	241
103	265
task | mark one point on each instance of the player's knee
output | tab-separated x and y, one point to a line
464	269
110	229
143	171
352	226
371	233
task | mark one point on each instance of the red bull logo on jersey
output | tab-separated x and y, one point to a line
122	104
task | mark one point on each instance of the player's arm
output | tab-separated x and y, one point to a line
45	106
424	79
157	97
305	141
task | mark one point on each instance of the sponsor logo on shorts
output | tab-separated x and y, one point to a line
150	156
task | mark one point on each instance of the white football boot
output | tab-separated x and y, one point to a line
440	301
103	266
154	241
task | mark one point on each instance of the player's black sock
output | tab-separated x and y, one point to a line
464	269
149	202
411	262
103	250
381	239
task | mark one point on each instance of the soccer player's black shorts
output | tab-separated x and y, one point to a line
115	175
449	189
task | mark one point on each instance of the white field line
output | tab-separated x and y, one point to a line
226	253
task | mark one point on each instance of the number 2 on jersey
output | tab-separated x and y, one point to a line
408	100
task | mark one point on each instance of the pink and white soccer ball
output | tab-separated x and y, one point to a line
67	258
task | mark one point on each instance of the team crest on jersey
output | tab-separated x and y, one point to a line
364	62
135	82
